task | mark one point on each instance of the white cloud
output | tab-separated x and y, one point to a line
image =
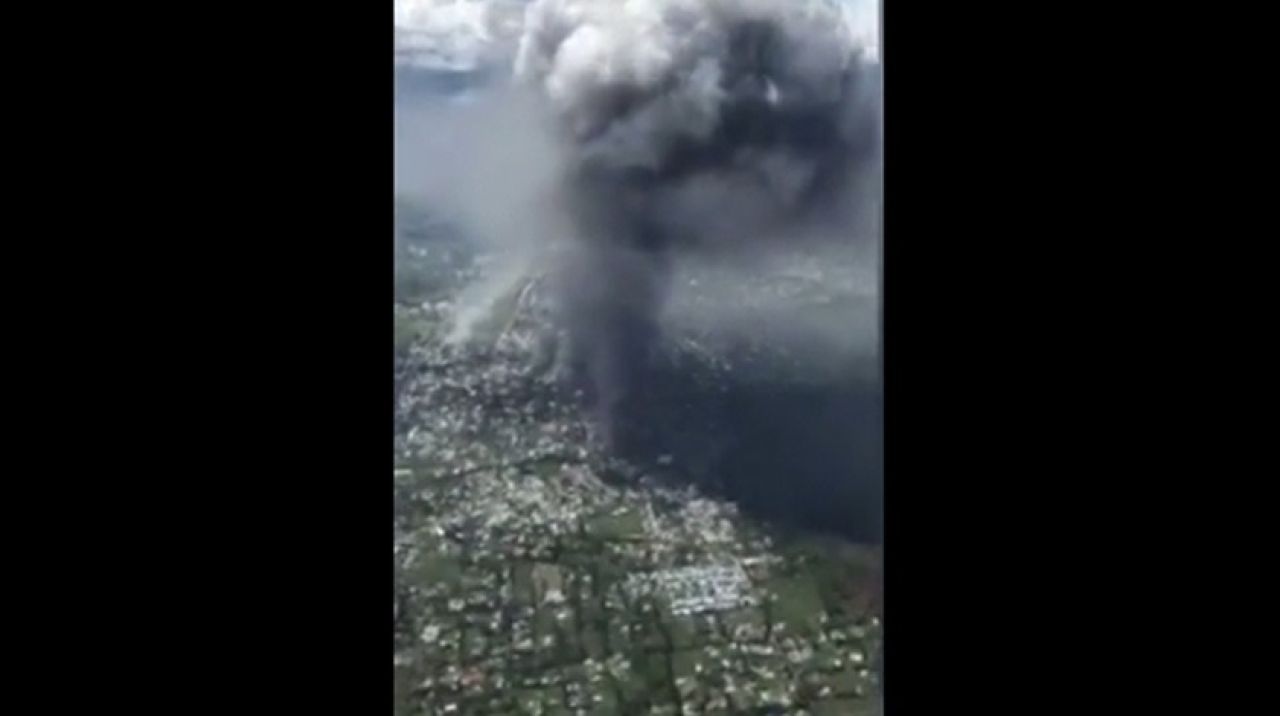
863	18
459	35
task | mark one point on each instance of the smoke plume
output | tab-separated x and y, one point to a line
721	127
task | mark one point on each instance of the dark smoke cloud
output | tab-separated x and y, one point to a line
728	127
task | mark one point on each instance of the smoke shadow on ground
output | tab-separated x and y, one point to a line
808	455
799	454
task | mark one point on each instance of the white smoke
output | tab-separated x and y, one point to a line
488	167
465	35
673	55
723	102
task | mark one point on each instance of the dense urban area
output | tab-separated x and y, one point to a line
535	575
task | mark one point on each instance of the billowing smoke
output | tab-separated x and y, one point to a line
727	127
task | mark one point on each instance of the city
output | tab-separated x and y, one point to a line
534	575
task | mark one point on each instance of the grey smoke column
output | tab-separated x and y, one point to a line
689	125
